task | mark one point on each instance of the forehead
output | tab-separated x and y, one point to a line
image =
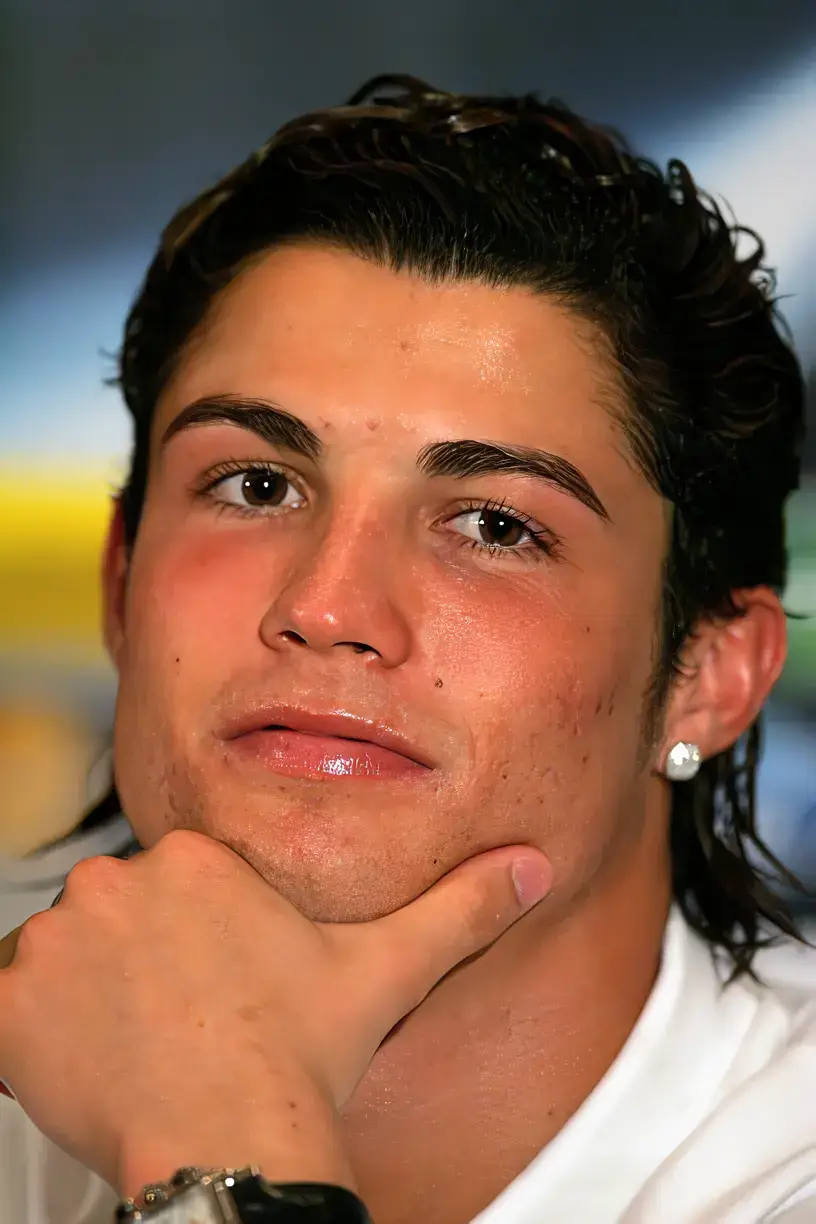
330	336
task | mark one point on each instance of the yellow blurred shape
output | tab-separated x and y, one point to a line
45	756
52	528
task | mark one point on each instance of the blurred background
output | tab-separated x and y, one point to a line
114	113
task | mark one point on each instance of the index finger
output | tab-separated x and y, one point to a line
8	944
8	949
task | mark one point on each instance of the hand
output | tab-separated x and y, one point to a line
174	1009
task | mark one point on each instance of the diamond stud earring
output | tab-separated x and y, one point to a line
683	762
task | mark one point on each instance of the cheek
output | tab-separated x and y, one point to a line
195	601
522	658
553	699
193	607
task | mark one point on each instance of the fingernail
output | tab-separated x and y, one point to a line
4	1091
531	879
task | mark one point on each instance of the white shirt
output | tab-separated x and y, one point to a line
707	1116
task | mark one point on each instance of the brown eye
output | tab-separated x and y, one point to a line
258	489
263	488
498	528
494	529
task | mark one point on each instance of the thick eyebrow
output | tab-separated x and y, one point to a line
460	458
463	458
264	418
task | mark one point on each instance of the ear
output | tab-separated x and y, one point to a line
728	671
114	582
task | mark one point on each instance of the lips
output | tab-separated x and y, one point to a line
334	744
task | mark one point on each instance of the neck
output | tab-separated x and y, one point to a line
479	1078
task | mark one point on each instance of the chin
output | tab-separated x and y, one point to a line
326	884
329	896
330	853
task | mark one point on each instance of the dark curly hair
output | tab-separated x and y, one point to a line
511	191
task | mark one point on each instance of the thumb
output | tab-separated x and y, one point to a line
413	948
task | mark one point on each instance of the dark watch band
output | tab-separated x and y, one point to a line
258	1202
240	1196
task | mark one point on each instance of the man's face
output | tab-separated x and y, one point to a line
496	621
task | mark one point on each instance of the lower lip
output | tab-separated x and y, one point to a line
303	755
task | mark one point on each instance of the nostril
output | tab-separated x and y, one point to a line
297	639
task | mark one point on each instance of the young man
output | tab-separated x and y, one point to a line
444	598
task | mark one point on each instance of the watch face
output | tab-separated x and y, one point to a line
190	1204
196	1205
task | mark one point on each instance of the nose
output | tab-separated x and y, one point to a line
345	593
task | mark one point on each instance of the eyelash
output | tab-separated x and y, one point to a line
543	540
216	475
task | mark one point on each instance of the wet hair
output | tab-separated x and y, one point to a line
514	192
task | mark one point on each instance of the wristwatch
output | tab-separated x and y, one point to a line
240	1196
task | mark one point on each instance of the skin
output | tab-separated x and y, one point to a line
223	992
523	676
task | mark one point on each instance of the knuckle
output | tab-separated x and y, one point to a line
185	845
188	853
483	907
95	876
488	911
34	932
40	942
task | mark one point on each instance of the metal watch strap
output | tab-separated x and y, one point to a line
240	1196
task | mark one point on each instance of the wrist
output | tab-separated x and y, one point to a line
289	1153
